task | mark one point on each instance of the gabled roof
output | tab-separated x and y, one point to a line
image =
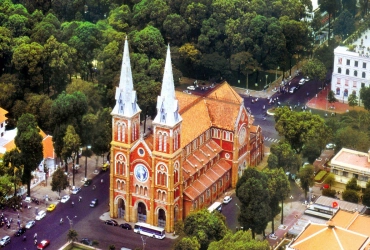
353	221
226	93
3	112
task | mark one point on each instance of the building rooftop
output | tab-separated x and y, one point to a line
352	159
343	205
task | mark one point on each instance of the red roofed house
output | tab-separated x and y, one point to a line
198	148
348	163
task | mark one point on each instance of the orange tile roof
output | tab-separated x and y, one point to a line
9	146
48	149
353	221
223	114
3	112
321	236
225	92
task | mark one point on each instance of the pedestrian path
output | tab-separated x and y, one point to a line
274	140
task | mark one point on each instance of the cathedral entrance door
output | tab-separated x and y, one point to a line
121	208
161	218
141	212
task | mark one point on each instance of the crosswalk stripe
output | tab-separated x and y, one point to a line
271	139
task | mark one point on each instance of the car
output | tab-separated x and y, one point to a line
76	190
43	244
5	241
302	81
187	91
292	90
86	241
94	203
20	231
30	224
297	87
191	87
126	226
65	198
227	199
330	146
41	214
87	183
51	207
307	79
111	223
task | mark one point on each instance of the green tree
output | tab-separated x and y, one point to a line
352	138
90	90
350	6
149	41
366	195
330	179
365	97
352	185
14	170
241	240
120	18
331	97
287	158
299	128
71	148
176	28
311	150
72	235
306	175
352	100
39	106
350	196
205	226
253	193
7	95
315	69
330	6
344	25
279	188
187	243
59	181
29	142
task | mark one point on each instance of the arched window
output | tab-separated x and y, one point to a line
162	175
120	164
176	175
363	75
337	91
164	142
119	127
137	189
146	191
164	196
345	92
118	184
141	190
159	195
160	141
123	139
355	72
347	71
339	70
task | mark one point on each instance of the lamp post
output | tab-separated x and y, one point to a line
266	80
87	150
71	221
144	241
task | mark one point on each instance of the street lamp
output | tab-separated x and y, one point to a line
71	221
144	241
276	72
87	151
266	80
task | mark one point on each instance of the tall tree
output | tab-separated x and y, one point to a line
352	100
253	193
72	235
315	69
14	169
330	6
71	148
59	181
29	142
241	240
306	176
344	25
287	158
187	243
365	97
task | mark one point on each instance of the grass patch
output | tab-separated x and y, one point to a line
320	175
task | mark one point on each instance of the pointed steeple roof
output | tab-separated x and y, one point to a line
167	104
126	100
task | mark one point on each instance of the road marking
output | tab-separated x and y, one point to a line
274	140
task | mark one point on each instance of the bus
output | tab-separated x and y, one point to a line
149	230
215	206
321	211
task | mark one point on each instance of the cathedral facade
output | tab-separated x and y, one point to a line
197	149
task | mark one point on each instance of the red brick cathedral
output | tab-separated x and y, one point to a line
197	149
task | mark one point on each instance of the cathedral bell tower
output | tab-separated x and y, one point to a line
125	131
166	146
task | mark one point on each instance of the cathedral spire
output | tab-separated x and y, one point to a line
126	101
167	105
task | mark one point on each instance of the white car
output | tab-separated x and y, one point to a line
30	224
292	90
227	199
76	190
307	79
4	241
65	198
191	87
302	81
330	146
40	215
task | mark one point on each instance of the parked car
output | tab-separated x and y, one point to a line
41	214
51	207
302	81
20	231
43	244
111	222
292	90
86	241
227	199
5	241
87	183
65	198
94	203
30	224
76	190
191	87
126	226
330	146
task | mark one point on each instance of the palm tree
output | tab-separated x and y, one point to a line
72	235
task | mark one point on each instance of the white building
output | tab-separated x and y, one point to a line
351	70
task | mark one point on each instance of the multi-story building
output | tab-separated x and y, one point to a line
351	68
197	149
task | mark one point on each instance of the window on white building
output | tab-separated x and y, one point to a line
345	92
339	70
363	75
345	174
356	63
337	92
364	65
347	71
338	80
346	83
348	62
355	72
